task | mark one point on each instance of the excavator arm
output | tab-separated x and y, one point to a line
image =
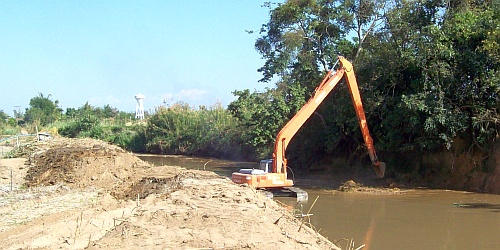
327	85
360	113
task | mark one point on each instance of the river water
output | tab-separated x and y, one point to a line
414	219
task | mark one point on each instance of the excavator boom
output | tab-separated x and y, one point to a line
277	176
326	86
290	129
379	166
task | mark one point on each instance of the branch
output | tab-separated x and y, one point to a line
360	47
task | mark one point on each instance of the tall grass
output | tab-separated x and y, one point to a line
181	129
9	130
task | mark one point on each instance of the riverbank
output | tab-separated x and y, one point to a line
83	193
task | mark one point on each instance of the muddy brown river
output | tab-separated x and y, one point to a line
414	219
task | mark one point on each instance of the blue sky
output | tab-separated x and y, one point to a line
106	52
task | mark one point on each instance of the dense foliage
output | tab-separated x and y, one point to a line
3	117
42	110
6	124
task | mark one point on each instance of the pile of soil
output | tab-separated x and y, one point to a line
86	163
89	194
351	186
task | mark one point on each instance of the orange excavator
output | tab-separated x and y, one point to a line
272	173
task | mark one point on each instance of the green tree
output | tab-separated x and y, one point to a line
71	113
442	79
86	109
260	116
42	110
3	117
472	32
109	112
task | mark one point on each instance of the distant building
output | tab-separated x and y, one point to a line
139	107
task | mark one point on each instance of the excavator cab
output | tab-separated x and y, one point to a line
266	165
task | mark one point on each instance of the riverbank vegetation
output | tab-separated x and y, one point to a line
181	129
428	73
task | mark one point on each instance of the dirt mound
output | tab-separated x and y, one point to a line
151	185
209	212
110	199
351	186
89	163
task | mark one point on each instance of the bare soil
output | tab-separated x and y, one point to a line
87	194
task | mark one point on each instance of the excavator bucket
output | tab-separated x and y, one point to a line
380	169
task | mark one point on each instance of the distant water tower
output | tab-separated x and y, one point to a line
139	108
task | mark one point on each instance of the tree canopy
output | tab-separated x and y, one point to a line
42	110
3	116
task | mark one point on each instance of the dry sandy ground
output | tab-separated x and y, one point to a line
86	194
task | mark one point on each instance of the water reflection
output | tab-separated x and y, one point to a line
492	207
419	219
